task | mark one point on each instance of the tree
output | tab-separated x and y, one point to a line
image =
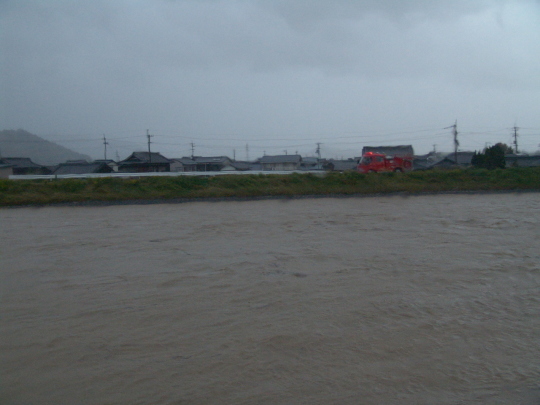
508	150
492	157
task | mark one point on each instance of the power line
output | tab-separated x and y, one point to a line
314	137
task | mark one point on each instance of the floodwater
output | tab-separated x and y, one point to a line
379	300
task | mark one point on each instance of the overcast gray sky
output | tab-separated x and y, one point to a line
275	75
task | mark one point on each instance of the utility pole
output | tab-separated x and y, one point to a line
117	156
105	143
515	138
318	151
192	150
456	142
247	152
149	142
234	155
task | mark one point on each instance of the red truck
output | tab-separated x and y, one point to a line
373	162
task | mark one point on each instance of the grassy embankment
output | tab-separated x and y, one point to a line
38	192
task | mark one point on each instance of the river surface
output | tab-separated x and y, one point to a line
378	300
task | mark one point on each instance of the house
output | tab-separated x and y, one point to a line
399	150
82	168
281	162
144	162
23	166
211	163
310	163
449	161
423	162
5	170
237	166
111	163
184	164
340	165
522	160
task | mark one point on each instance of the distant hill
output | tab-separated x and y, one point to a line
20	143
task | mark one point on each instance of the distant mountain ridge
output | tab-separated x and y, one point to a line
20	143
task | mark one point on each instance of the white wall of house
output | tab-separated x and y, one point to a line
177	166
286	166
5	172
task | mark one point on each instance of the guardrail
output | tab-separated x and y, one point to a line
153	174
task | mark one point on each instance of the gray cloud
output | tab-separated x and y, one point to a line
270	73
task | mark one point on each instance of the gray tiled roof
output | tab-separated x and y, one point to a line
211	159
185	161
241	165
463	158
20	162
144	157
81	168
522	160
281	159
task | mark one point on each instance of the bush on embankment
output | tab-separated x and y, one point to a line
39	192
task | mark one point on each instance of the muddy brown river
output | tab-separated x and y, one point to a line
378	300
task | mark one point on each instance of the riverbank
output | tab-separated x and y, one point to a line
180	189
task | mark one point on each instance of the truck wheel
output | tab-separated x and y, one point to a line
398	170
372	171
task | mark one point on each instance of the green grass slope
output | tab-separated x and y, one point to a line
39	192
